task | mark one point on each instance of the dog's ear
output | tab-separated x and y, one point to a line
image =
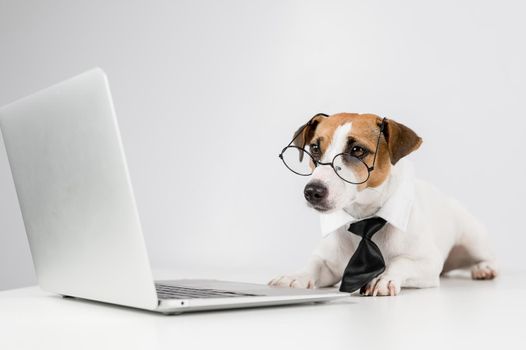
305	133
400	140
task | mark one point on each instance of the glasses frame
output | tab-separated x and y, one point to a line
317	162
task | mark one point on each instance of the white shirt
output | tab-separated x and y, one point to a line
395	210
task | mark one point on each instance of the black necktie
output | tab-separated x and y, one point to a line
367	261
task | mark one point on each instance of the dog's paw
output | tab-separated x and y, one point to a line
483	271
294	281
381	286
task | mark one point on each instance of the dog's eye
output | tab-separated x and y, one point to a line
358	152
314	149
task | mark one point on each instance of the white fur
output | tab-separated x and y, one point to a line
414	257
339	191
339	140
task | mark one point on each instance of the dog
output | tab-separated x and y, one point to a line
427	233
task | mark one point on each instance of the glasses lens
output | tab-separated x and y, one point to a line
297	161
351	169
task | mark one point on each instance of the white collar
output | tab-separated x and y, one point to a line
396	209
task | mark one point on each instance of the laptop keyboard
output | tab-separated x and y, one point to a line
165	291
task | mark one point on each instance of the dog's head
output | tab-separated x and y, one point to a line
356	135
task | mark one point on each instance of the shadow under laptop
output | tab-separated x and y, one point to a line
229	310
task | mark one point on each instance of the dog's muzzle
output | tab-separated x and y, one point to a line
315	192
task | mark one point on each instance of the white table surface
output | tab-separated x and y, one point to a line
460	314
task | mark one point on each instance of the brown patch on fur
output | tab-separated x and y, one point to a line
396	142
401	140
305	133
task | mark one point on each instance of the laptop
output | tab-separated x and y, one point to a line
68	164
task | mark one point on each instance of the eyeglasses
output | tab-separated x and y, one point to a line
348	167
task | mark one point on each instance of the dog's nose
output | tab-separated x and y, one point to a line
315	192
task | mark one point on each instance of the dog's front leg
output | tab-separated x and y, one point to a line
403	271
326	265
317	274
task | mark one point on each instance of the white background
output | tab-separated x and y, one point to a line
207	93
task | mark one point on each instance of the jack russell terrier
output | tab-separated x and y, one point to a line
427	233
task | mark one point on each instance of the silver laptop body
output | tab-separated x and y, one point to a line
70	173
